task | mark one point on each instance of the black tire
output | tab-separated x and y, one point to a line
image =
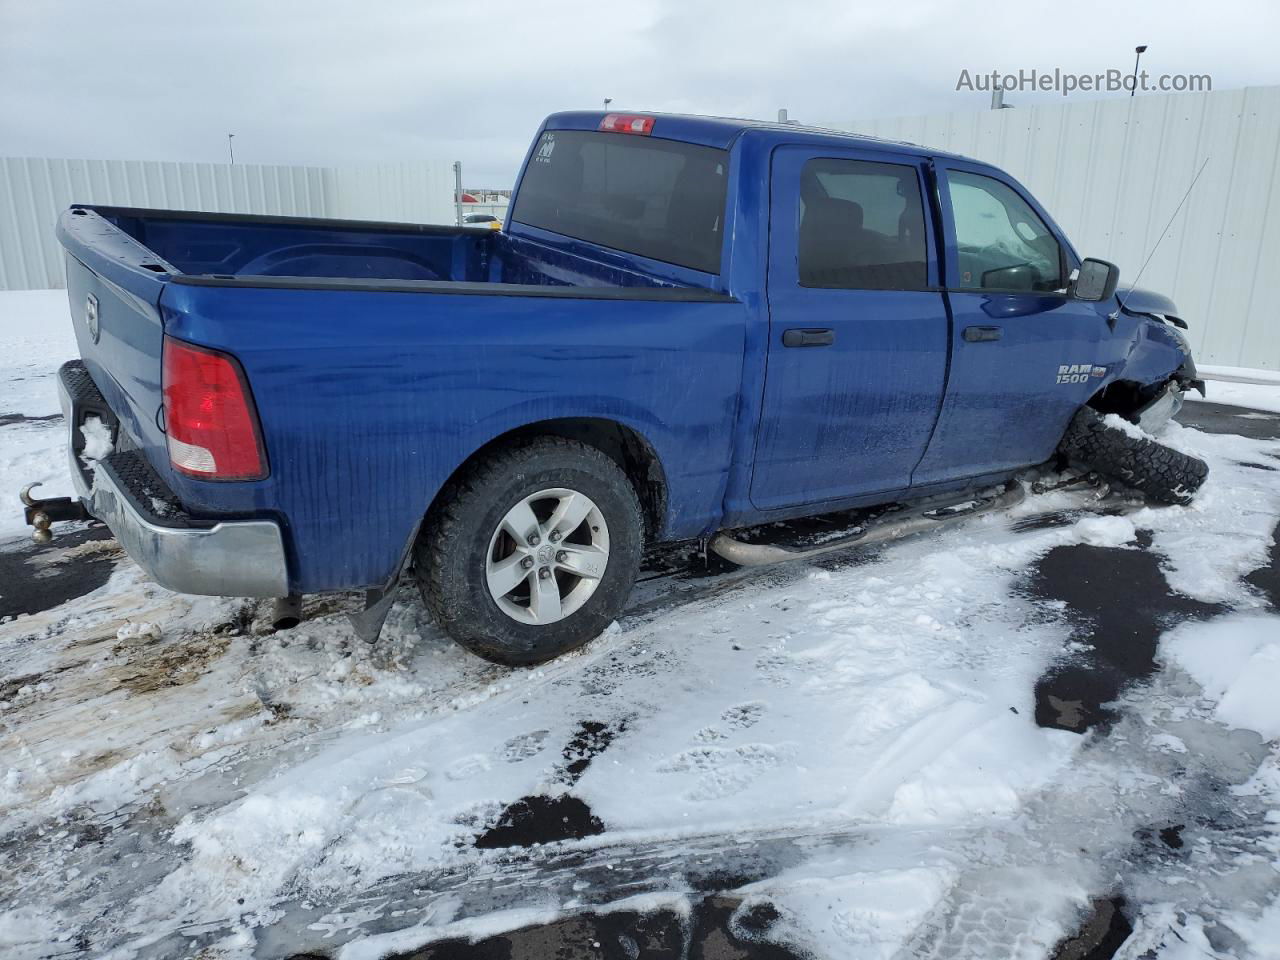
451	552
1158	472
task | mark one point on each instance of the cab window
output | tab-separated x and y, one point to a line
861	226
663	199
1001	244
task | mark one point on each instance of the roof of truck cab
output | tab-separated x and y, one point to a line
722	131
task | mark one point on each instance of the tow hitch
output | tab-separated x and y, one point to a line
40	514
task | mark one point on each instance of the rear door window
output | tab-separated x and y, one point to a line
662	199
861	226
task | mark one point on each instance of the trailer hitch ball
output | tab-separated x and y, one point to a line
41	533
42	513
39	520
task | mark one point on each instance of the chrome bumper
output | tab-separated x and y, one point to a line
243	558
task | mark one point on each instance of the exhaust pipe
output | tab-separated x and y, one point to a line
287	612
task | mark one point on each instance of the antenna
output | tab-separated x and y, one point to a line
1160	240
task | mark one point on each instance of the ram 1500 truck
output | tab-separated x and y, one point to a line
687	326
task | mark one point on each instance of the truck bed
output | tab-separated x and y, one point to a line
320	252
382	355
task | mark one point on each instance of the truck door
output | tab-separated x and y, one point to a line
857	339
1023	352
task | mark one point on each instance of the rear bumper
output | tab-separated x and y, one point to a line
243	558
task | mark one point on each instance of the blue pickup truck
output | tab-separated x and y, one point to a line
687	326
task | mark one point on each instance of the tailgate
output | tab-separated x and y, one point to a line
114	285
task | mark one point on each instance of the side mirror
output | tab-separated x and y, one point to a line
1096	280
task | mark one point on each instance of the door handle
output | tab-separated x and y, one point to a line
982	334
808	338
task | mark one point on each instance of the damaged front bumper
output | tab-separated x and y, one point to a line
1161	409
242	558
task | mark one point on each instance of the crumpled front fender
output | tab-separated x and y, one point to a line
1138	300
1159	351
1155	353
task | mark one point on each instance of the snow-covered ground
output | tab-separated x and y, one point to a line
1256	396
1240	387
35	337
882	747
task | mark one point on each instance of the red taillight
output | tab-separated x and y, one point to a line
627	123
209	417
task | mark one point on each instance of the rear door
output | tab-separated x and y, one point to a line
857	337
1024	353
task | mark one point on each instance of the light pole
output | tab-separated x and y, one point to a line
230	149
607	101
1138	51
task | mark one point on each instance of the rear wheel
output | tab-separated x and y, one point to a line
1132	458
533	552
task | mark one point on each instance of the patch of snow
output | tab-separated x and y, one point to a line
1258	396
1262	931
1128	428
1104	531
1219	372
36	336
1225	532
1237	661
97	439
30	927
469	928
832	908
138	631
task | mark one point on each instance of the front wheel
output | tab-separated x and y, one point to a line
1121	451
532	552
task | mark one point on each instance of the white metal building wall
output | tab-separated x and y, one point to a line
1111	172
402	192
34	191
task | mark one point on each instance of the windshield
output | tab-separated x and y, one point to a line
657	198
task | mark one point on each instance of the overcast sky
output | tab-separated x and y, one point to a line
370	80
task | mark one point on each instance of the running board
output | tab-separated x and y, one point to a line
934	517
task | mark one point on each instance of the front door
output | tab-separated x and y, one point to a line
857	338
1024	353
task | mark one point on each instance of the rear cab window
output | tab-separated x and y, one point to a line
661	199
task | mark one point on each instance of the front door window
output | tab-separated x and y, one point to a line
1001	244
